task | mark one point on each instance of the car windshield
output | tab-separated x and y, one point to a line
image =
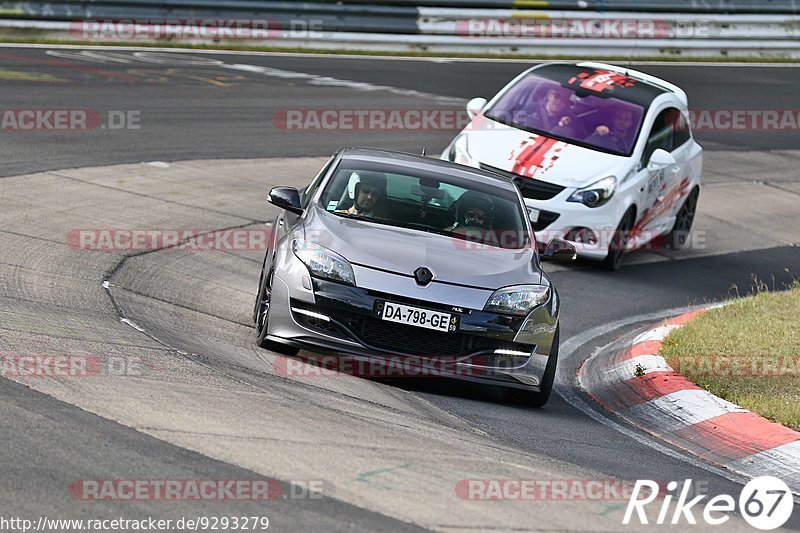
429	202
544	106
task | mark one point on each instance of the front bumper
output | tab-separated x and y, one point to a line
559	219
339	320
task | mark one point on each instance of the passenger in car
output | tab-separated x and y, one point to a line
553	114
473	210
617	136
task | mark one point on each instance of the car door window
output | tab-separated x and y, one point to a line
662	135
682	129
308	193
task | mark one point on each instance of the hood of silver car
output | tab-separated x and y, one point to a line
402	251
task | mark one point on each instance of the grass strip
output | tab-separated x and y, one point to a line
747	352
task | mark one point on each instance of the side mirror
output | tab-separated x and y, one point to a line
287	198
475	106
559	251
660	160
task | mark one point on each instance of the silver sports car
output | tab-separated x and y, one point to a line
393	256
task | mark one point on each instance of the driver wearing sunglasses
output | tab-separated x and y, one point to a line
475	210
369	191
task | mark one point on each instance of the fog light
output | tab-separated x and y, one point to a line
312	314
501	358
511	352
582	235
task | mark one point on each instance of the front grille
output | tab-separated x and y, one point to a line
411	340
412	301
529	187
356	325
390	336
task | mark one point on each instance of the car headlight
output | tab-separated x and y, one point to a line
595	194
518	300
459	153
323	263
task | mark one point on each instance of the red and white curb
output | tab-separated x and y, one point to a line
667	405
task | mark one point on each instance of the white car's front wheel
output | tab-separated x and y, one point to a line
619	241
678	238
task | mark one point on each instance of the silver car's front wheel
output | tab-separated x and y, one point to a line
533	398
262	305
263	302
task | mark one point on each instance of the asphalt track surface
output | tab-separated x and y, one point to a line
193	112
202	111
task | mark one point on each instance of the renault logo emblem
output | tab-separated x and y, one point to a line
423	275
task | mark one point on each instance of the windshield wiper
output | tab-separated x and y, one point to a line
424	227
522	127
394	223
349	215
382	221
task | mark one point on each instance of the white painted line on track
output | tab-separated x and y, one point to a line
441	59
149	56
327	81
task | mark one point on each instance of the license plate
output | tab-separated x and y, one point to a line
533	214
416	316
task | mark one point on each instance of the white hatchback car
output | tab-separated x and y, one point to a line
604	156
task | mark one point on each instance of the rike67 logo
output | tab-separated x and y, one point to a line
765	503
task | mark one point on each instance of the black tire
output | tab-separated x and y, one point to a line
532	398
258	292
678	237
262	316
616	249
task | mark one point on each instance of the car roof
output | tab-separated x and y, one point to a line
600	79
393	158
